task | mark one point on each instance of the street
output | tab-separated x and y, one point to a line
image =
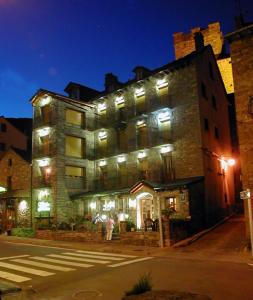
46	272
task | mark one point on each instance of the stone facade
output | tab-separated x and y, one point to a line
142	146
241	43
15	176
184	44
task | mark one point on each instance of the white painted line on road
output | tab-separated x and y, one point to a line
66	263
94	256
43	265
107	254
11	257
80	259
25	270
13	277
129	262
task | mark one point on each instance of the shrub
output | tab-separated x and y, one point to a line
23	232
143	285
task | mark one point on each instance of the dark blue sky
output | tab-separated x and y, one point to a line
47	43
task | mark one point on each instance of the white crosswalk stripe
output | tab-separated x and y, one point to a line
42	265
93	256
62	262
107	254
25	269
79	259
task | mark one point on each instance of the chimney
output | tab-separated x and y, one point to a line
111	82
199	41
239	22
141	72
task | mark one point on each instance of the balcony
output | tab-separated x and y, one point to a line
41	182
75	183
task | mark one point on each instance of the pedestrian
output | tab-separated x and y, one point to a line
109	228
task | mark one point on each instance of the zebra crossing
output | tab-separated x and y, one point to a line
22	268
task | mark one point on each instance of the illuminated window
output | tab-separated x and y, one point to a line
74	171
171	203
74	117
74	146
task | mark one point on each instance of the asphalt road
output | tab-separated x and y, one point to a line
109	276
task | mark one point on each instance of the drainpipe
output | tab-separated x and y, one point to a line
160	221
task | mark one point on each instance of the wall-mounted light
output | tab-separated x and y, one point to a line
102	163
45	100
43	162
164	116
225	163
23	206
231	162
43	131
161	83
102	135
139	92
48	171
142	154
121	159
93	205
102	106
119	100
140	123
166	149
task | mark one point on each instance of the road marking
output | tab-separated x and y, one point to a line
25	270
80	259
106	254
13	277
43	265
94	256
129	262
10	257
57	261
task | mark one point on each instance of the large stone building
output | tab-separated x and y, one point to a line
241	45
158	141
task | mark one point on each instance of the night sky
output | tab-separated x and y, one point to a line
47	43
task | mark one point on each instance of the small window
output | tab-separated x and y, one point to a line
74	171
2	147
203	90
74	146
210	70
171	203
206	124
9	162
74	117
214	102
216	133
3	127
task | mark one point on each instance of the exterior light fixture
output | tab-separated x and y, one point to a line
102	163
142	154
102	106
121	159
43	131
119	100
166	149
164	116
102	135
161	83
48	171
140	123
45	100
139	92
43	162
231	162
93	205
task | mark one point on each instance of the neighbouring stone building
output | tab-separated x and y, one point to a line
15	178
158	141
241	48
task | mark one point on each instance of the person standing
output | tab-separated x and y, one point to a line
109	228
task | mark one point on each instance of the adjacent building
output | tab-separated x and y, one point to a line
159	141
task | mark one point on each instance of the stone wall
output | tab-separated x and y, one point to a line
143	238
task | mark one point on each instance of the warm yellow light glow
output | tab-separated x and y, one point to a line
139	92
45	100
108	206
48	171
23	205
164	116
102	135
119	100
231	162
2	189
102	163
166	149
93	205
161	83
140	123
121	159
142	154
132	203
43	131
102	106
43	162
